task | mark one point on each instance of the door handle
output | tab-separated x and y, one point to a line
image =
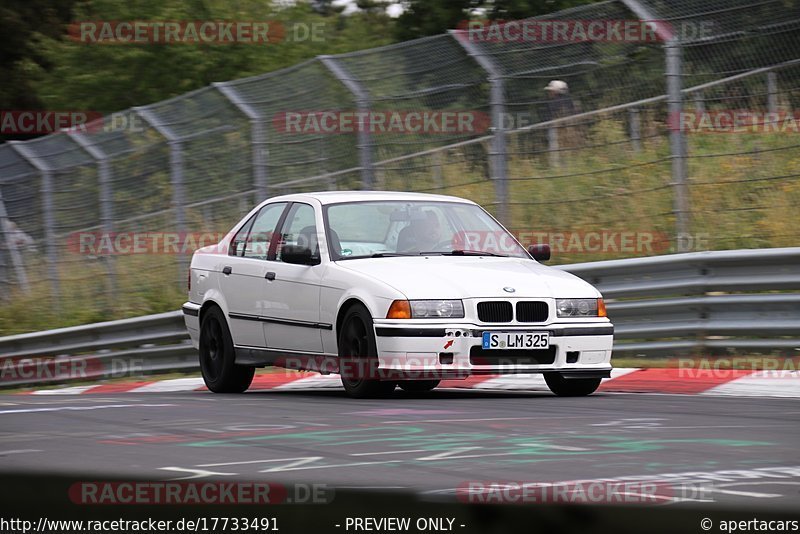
270	276
227	270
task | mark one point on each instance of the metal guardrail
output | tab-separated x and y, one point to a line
148	344
675	304
701	301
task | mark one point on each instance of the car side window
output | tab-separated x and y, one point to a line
300	229
239	240
259	237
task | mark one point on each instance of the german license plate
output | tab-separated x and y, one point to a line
516	340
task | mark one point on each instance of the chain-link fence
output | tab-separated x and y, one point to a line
605	145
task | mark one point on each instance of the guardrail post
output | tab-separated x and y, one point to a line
258	140
10	246
362	105
176	176
48	216
106	200
497	102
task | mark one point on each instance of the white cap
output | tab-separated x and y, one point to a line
556	85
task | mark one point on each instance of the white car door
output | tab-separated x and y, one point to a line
243	278
292	315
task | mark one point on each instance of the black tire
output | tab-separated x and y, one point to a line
220	373
418	386
571	387
358	356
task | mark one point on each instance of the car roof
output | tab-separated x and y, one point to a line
335	197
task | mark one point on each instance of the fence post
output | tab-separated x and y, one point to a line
677	140
553	155
362	105
176	176
48	216
699	103
497	102
106	199
635	126
438	178
258	141
258	144
10	246
772	92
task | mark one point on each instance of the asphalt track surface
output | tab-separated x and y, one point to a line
739	450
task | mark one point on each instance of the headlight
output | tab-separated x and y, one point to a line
427	309
580	308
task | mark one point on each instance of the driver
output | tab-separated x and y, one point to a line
421	235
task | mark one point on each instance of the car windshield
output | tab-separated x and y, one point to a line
403	227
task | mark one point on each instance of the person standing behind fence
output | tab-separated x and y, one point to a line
563	135
559	102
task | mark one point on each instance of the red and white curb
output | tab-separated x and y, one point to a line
740	383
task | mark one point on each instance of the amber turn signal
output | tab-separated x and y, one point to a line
601	308
400	309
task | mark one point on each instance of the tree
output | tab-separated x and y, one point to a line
432	17
520	9
421	18
19	21
70	74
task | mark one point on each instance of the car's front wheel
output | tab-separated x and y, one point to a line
217	366
358	356
571	387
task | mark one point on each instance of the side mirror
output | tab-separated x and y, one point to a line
540	252
298	255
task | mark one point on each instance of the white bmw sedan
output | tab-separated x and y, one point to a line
389	289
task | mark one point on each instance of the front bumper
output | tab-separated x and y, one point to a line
454	350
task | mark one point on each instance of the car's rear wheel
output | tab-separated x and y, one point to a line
418	386
217	366
358	356
571	387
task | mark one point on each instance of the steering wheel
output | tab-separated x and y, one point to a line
444	244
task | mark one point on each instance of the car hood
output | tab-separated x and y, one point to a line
443	277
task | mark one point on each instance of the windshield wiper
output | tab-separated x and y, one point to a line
394	254
466	253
